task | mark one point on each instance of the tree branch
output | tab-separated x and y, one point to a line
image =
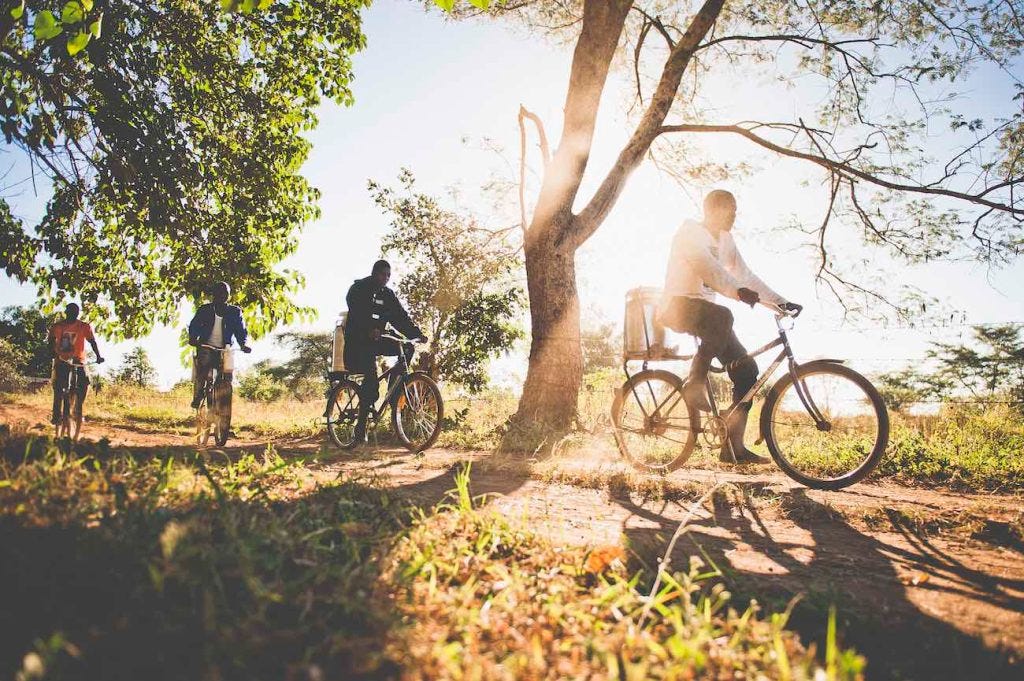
847	170
650	124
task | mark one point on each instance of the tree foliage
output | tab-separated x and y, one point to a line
172	133
303	372
12	358
136	369
26	328
260	385
989	369
458	282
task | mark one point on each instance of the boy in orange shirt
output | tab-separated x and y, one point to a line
67	339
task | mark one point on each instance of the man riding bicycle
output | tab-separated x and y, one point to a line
67	340
214	324
704	260
371	307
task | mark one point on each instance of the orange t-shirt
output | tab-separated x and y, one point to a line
69	339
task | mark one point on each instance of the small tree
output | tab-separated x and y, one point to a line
26	328
136	369
602	346
11	358
995	369
458	283
259	385
303	373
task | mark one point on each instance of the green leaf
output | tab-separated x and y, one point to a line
264	4
227	5
46	26
77	42
87	4
72	12
446	5
18	11
96	26
480	4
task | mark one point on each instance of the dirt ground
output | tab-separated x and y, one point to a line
928	583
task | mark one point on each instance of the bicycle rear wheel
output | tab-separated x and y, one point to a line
342	413
203	421
417	412
840	448
654	429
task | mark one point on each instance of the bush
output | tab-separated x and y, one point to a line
11	358
260	386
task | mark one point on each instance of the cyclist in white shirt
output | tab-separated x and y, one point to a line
705	261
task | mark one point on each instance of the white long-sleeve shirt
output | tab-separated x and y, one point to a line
700	265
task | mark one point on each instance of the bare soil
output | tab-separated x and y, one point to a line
927	583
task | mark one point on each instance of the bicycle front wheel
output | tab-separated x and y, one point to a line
654	429
222	419
417	413
828	429
203	423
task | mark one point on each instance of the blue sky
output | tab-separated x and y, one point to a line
435	96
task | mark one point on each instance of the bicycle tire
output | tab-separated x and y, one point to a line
342	436
425	394
75	415
222	393
203	421
869	463
629	394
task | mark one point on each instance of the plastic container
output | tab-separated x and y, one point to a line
643	336
338	354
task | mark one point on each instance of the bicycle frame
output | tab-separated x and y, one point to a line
399	370
786	354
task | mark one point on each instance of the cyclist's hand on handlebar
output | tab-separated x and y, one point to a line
246	349
100	360
748	296
794	308
420	339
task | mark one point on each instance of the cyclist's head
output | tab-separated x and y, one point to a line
719	210
381	272
71	311
220	292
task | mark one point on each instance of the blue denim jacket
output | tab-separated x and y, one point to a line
234	326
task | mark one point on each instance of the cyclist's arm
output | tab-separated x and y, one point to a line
401	320
51	342
241	333
698	256
95	348
739	269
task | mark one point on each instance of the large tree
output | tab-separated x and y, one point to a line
866	63
171	134
27	329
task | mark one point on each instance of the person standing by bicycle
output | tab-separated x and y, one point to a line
704	261
371	307
215	324
67	339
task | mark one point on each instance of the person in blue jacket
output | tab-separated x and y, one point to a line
215	324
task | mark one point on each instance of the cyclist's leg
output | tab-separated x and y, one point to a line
368	392
83	385
59	376
201	364
743	374
712	325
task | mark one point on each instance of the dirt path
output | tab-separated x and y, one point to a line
928	583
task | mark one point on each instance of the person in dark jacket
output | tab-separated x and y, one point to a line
371	307
215	324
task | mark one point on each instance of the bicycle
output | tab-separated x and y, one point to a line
69	424
413	397
825	425
213	416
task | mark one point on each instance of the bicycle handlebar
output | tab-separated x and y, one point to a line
401	339
213	347
77	364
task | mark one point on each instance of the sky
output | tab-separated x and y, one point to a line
441	98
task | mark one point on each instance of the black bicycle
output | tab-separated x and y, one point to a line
213	416
825	425
69	421
413	397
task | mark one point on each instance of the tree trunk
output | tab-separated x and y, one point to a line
549	399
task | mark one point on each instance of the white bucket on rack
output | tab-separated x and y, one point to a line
338	354
642	336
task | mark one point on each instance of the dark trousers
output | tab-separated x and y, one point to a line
203	361
712	324
62	380
364	361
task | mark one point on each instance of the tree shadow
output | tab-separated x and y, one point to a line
829	562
